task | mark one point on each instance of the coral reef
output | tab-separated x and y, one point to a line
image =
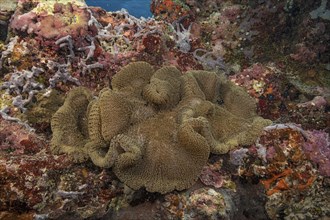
289	164
317	149
40	185
51	20
313	206
209	203
213	175
23	84
124	122
201	203
171	10
275	50
16	140
6	11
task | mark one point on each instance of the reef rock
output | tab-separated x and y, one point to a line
51	19
156	129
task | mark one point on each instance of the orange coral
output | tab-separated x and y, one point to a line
279	180
169	10
297	176
288	168
282	181
21	57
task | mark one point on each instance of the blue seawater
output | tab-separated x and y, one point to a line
136	8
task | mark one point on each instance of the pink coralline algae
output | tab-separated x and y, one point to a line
16	140
303	54
232	12
317	149
212	176
62	20
237	156
264	83
287	158
317	101
311	47
20	169
210	204
202	203
34	181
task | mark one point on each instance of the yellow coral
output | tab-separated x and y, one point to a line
5	100
48	5
258	86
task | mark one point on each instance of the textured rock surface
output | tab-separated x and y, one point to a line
51	19
7	5
42	185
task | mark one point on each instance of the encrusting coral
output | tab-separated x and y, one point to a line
156	129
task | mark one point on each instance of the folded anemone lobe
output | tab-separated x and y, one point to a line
69	124
209	83
164	88
115	110
132	78
237	100
172	155
156	129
